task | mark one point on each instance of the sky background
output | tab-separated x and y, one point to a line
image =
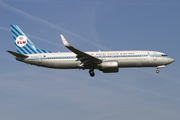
36	93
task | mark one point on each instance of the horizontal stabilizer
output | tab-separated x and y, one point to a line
17	54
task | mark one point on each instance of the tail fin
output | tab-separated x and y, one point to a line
23	43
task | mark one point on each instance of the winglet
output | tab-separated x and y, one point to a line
64	41
80	53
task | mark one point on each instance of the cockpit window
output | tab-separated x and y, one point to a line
164	55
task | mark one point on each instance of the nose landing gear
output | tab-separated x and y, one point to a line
158	67
157	71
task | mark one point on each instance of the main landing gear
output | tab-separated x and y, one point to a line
91	72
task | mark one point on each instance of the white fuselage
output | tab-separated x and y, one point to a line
68	60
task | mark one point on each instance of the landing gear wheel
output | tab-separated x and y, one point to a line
91	72
157	71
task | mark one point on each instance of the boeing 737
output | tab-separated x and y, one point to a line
105	61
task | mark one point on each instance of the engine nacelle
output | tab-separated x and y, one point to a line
109	66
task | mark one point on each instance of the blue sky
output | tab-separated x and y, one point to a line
30	92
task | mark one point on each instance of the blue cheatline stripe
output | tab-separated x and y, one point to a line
106	56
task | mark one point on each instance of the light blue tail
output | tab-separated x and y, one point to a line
23	43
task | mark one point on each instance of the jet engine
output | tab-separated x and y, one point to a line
109	66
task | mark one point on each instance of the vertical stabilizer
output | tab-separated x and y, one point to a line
23	43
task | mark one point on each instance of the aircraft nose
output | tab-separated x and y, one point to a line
171	60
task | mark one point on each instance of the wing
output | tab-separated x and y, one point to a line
85	58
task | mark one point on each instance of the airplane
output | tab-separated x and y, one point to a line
105	61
